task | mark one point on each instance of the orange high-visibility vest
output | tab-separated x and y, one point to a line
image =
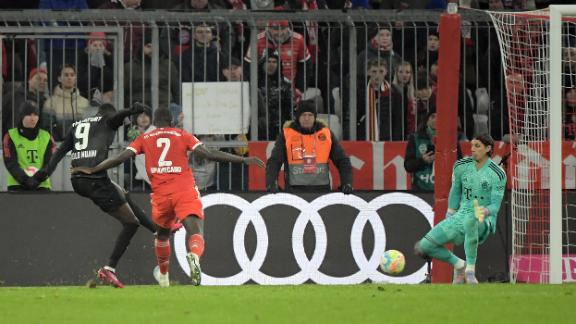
298	147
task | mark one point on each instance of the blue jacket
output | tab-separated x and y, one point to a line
63	4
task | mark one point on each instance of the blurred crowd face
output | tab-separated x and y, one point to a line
67	78
97	46
306	120
30	121
203	35
271	65
38	83
384	39
132	3
423	94
233	73
279	33
143	121
377	74
495	5
433	43
404	73
199	4
148	49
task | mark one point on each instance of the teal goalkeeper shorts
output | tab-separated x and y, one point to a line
451	230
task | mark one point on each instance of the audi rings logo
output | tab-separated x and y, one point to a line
309	213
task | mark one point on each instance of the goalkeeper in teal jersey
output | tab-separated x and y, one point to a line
478	186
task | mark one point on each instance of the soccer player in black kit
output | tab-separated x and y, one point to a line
89	140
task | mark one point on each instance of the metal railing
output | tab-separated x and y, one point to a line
331	57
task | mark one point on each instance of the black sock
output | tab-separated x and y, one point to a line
122	242
141	215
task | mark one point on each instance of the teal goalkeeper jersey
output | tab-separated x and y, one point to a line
487	185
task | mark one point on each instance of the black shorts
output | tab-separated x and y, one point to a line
101	191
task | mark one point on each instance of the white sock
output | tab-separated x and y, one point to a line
196	257
471	267
459	264
110	269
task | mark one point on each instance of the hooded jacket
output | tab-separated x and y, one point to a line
62	109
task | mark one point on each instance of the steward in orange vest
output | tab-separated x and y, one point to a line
304	148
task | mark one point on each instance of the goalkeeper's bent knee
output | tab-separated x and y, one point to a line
421	251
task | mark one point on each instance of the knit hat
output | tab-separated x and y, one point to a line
28	108
98	36
279	23
35	71
306	106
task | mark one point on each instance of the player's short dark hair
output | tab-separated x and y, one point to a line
485	139
163	116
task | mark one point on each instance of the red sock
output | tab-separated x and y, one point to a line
196	244
162	249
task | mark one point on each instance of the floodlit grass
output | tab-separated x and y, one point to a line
370	303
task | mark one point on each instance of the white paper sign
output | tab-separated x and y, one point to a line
216	107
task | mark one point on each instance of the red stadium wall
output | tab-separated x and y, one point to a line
392	176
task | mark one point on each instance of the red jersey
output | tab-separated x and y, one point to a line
292	52
166	151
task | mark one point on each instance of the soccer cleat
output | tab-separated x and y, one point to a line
175	227
195	271
109	277
459	276
470	278
163	279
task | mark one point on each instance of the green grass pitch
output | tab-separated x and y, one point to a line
368	303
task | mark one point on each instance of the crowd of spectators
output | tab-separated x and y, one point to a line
396	67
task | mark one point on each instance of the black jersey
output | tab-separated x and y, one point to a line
89	141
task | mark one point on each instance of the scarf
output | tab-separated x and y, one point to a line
239	5
372	120
312	28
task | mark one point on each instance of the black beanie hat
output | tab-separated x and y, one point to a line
28	108
306	106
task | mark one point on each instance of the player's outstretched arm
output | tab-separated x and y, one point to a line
218	156
56	157
118	119
106	164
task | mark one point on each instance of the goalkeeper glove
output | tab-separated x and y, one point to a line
480	212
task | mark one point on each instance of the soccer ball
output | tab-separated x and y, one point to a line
392	262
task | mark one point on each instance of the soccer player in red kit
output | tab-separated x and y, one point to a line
174	193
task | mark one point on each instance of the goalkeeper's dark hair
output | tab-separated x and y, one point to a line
162	117
487	140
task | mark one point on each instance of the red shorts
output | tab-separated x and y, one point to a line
166	208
